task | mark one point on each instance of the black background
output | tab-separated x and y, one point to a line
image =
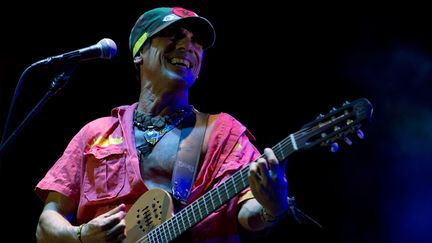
275	67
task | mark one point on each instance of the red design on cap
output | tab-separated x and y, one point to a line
181	12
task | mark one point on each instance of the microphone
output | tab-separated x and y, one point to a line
104	49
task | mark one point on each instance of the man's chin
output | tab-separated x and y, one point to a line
182	77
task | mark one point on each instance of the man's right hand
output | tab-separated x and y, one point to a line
107	227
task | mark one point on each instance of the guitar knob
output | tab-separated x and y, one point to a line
334	147
360	134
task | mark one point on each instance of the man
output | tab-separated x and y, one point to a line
114	160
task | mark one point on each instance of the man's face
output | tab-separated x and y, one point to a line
174	53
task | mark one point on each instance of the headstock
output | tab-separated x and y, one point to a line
327	129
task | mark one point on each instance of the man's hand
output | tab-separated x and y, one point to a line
268	183
107	227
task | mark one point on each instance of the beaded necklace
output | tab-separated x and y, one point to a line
155	127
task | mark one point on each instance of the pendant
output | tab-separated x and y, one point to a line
151	135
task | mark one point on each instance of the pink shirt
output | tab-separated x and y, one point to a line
99	169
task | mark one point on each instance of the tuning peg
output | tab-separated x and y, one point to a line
320	116
347	140
360	134
334	147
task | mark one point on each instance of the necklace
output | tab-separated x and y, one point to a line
155	127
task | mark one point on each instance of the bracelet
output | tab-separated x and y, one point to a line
78	232
268	218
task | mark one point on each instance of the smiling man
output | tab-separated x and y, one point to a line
119	173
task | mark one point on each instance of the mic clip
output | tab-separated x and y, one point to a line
61	80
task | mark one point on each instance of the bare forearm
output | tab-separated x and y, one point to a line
53	227
250	216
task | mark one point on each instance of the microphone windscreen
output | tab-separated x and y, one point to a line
108	48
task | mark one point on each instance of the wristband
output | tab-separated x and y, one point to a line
268	218
78	232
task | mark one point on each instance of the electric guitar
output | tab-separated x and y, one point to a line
151	219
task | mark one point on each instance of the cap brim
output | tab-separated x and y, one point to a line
198	25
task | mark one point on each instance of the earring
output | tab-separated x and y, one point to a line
137	59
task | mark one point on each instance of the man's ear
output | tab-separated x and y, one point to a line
138	59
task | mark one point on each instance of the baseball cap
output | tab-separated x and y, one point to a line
157	19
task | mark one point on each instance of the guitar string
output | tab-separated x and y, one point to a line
229	191
202	204
235	179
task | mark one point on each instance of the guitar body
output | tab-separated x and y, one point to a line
150	210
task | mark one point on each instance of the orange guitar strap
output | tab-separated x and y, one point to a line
188	155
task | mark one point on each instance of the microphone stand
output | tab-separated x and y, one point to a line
56	85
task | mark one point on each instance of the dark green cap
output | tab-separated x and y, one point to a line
155	20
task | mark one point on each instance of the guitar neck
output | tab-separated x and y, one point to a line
212	200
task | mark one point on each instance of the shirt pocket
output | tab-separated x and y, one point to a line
105	172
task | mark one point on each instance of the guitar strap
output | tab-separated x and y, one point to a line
188	155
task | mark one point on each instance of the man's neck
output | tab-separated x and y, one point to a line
161	103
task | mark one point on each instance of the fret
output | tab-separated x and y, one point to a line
214	196
181	214
233	184
205	204
235	190
166	229
211	200
218	194
199	208
165	233
188	217
161	234
226	190
293	141
156	233
238	183
150	238
244	174
175	226
281	151
193	213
